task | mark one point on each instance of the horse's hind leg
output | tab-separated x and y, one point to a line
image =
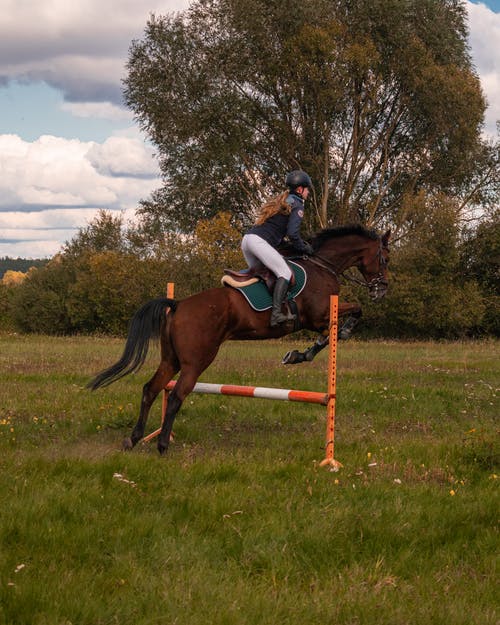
184	385
150	391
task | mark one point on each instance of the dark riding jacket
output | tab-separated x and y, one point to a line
274	229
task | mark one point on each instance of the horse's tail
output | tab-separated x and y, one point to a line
144	325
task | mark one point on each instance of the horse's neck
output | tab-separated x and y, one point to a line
343	253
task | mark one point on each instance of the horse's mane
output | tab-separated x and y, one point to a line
342	231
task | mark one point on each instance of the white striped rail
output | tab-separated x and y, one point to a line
260	392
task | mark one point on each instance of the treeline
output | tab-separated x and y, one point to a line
108	270
444	280
19	264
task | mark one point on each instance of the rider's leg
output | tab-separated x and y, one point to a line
256	250
254	246
246	247
279	296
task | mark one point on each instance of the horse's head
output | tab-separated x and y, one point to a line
355	246
373	266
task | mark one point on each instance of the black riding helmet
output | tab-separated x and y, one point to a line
298	178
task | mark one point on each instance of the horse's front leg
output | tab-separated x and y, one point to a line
294	357
150	392
352	312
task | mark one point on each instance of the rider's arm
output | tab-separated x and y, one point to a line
293	230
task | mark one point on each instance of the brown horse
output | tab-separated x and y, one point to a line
192	332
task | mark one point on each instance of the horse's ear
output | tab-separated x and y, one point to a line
386	237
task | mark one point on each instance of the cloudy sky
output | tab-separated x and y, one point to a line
68	146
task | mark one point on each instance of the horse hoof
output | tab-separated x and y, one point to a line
127	444
292	358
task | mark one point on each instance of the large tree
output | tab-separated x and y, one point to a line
376	100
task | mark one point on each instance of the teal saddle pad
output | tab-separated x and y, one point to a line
259	297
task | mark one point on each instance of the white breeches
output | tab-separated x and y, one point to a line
256	250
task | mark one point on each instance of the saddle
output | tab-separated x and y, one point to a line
246	277
255	286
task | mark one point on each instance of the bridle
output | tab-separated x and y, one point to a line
372	285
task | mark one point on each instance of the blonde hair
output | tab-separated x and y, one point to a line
273	206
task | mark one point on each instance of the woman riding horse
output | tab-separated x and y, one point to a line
279	217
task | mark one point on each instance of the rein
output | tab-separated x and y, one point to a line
321	261
326	264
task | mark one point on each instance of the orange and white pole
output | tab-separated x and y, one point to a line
259	392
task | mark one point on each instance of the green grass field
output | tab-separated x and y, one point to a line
240	524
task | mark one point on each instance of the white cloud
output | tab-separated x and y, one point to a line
101	110
39	234
35	249
55	186
122	156
55	172
29	234
78	47
484	38
56	218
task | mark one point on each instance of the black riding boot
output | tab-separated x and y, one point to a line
279	296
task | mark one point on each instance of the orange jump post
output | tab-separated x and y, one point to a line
329	460
170	295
